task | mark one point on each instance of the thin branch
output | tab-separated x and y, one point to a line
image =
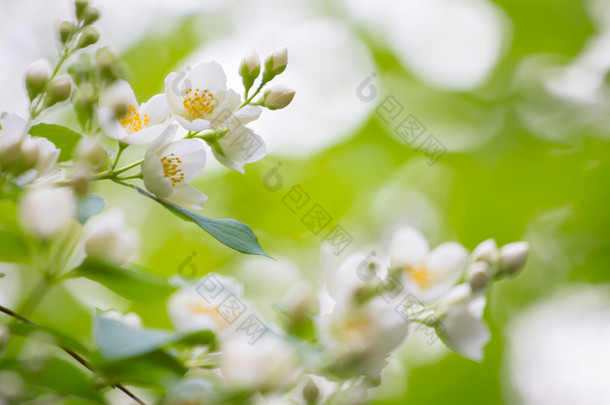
72	354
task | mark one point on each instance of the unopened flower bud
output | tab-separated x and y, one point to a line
90	15
36	77
108	238
478	275
512	257
487	252
30	151
58	90
66	29
311	392
89	37
80	182
249	69
45	211
90	151
278	97
107	63
81	6
275	63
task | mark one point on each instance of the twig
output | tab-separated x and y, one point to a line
72	354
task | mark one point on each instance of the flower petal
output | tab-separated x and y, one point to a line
208	76
110	125
448	261
464	331
145	135
174	91
119	92
196	125
156	109
409	248
187	196
240	146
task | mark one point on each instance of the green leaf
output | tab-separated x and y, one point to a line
134	285
65	378
67	342
154	368
117	340
88	206
13	247
232	233
63	138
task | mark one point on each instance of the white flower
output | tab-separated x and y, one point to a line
240	145
430	274
271	362
12	131
461	325
141	124
189	311
106	237
41	155
199	98
45	211
168	167
130	319
360	335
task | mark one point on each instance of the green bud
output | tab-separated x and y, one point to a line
278	97
36	77
81	6
90	15
311	392
58	90
89	37
249	69
275	64
108	64
66	30
84	100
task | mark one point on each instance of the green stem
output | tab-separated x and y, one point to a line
135	176
248	100
122	147
71	353
129	166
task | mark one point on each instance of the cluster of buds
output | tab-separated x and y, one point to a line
278	96
80	34
489	263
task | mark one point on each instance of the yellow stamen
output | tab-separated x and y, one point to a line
423	276
199	104
132	121
171	168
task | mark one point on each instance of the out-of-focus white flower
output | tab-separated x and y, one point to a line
90	151
130	319
168	167
240	145
359	335
199	98
461	324
189	311
45	211
40	155
106	237
140	124
430	274
12	131
278	97
271	362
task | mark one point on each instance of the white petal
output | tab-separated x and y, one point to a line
144	136
118	93
248	114
174	93
187	196
110	125
156	109
227	103
154	177
195	125
207	76
191	153
464	332
448	261
409	248
240	146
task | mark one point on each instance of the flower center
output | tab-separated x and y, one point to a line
198	104
132	121
423	276
171	168
199	308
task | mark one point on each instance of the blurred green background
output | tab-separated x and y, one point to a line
510	181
